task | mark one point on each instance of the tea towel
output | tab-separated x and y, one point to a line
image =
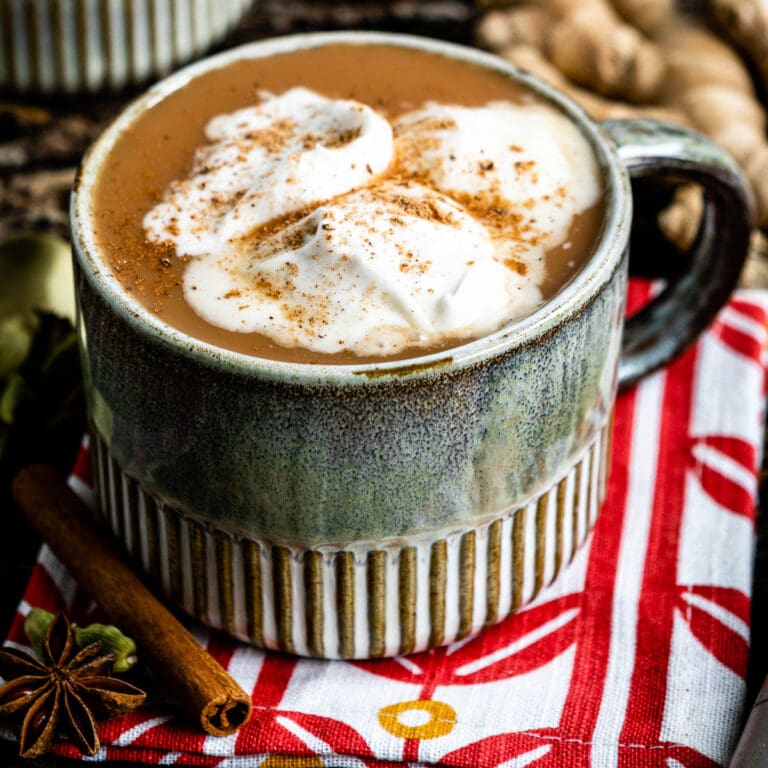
635	656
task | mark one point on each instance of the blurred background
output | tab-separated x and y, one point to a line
701	63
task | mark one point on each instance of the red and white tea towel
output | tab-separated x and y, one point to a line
636	656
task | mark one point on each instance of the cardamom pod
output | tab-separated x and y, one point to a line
35	626
111	638
112	641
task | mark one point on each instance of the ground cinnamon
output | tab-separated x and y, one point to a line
201	685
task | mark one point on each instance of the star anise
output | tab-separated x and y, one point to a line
65	694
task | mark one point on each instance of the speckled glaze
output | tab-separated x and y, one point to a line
316	462
74	46
310	460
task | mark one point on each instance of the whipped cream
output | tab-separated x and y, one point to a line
527	160
268	161
380	269
313	222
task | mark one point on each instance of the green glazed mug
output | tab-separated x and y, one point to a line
360	511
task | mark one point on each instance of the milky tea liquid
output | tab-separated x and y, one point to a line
418	215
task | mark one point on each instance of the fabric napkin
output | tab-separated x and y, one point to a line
635	656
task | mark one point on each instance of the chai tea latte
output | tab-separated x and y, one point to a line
347	204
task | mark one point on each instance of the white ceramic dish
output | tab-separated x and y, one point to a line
75	46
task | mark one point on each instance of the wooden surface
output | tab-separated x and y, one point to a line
41	142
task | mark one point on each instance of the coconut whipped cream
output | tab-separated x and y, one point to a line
315	222
526	161
268	161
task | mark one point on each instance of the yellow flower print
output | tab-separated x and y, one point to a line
406	719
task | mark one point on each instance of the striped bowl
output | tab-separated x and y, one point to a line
75	46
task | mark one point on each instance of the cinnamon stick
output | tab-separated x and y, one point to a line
201	685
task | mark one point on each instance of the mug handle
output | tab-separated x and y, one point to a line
673	319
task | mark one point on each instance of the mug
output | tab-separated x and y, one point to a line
368	510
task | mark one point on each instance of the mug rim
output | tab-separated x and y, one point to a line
567	302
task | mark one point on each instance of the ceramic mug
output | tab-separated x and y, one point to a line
369	510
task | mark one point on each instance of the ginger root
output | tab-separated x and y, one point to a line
646	15
755	272
707	81
746	23
531	59
526	24
593	47
680	220
587	41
